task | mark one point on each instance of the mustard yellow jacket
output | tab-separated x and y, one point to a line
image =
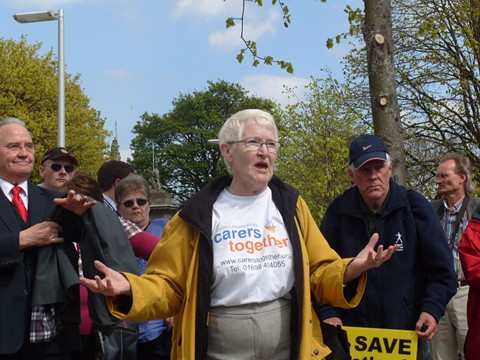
179	271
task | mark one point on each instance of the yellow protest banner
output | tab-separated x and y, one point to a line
381	344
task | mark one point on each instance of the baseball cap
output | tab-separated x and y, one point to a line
366	148
58	152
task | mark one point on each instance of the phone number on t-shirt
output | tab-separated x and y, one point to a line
256	267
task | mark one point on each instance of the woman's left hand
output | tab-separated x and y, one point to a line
373	259
368	258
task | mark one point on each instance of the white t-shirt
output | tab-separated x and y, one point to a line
252	253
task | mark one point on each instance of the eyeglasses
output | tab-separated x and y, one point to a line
139	202
15	148
444	176
57	167
256	143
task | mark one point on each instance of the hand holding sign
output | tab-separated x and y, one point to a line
426	326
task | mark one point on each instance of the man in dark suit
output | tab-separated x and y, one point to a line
108	177
20	241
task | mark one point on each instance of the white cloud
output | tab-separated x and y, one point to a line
206	9
227	39
37	5
126	12
133	14
121	75
254	27
273	87
125	154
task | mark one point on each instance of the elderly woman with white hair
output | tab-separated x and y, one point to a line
238	263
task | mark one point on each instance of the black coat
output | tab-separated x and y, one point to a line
17	271
101	237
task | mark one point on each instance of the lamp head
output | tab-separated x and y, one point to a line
30	17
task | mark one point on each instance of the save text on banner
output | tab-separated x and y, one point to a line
381	344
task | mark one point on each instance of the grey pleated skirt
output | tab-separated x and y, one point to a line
253	331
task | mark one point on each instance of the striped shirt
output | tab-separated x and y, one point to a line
449	220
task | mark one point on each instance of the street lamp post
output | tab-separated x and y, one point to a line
48	16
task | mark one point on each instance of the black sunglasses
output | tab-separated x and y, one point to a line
139	201
57	167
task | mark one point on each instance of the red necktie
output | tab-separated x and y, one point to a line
18	202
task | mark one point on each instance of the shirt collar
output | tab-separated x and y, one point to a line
7	187
456	206
109	202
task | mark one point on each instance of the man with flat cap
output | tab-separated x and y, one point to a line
56	168
411	291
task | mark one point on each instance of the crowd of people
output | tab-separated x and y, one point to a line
241	271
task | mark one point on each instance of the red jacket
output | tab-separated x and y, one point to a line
469	249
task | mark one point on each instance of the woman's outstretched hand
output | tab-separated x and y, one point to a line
112	284
368	258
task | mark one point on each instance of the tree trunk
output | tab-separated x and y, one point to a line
377	32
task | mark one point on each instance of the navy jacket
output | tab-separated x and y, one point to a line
418	278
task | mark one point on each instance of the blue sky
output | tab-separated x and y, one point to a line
136	56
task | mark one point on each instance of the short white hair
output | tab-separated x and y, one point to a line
232	129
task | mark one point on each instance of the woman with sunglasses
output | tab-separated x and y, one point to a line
132	196
56	168
240	261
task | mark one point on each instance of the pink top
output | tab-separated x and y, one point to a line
143	244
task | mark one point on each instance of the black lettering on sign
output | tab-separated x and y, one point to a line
383	345
375	345
361	343
405	347
390	347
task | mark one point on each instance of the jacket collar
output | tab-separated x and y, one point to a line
197	211
351	205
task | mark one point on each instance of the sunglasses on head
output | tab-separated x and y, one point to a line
57	167
129	203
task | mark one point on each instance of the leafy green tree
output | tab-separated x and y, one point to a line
437	62
316	134
28	91
377	33
185	159
250	46
440	80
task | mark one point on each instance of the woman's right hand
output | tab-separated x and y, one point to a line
113	284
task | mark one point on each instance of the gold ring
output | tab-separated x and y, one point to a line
53	240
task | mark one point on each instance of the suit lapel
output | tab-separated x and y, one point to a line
42	204
7	214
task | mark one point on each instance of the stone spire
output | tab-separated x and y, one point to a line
115	148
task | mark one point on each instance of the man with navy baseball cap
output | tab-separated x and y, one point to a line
411	291
366	148
57	167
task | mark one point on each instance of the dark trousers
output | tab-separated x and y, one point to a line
110	343
63	347
157	349
29	352
22	355
88	349
423	352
